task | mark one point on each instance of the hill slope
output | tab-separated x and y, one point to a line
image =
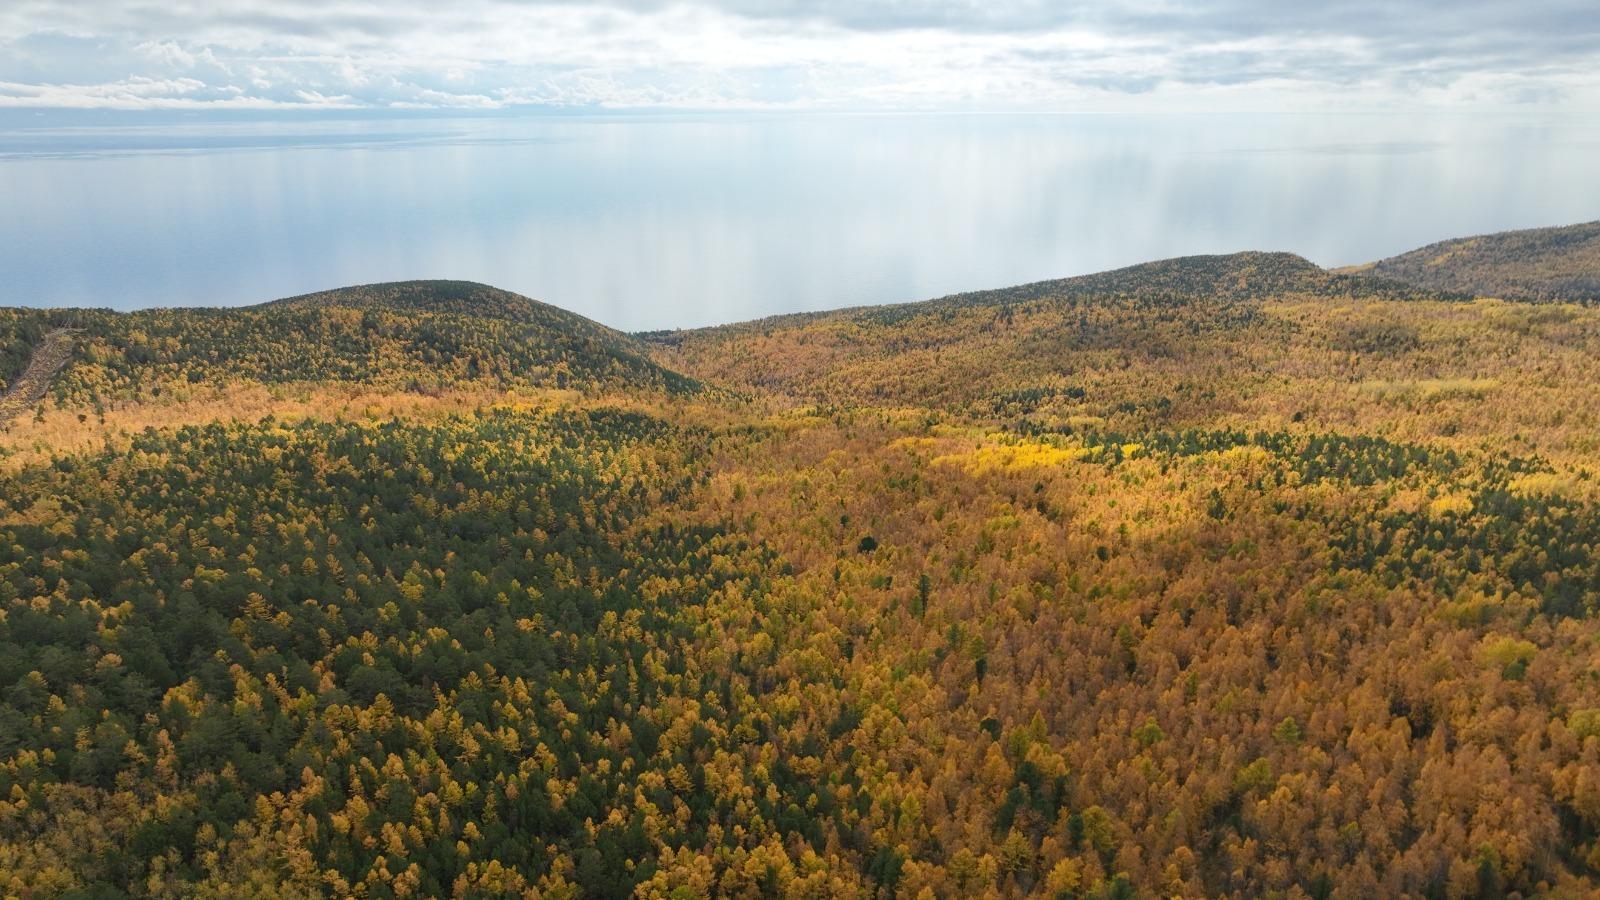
1535	265
421	335
1125	336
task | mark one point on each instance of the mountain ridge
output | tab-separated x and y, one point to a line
1219	291
1538	265
967	352
1243	275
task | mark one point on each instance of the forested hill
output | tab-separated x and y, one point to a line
1214	577
1249	275
1538	265
426	336
461	298
1045	344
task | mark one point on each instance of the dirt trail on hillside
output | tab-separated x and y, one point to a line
53	352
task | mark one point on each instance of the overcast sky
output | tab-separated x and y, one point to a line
851	54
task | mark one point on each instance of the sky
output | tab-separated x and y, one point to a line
803	54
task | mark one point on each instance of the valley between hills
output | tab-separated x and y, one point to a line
1215	576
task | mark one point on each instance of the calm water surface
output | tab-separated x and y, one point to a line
678	221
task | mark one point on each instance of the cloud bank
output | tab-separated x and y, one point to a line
869	54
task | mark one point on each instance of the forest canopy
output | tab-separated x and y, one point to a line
1534	265
1224	576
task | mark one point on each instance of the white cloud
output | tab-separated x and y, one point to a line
169	54
138	92
818	53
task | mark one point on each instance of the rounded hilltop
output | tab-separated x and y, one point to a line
464	298
421	335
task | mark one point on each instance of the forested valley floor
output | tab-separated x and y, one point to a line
1217	577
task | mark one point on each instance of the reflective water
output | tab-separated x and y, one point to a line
651	222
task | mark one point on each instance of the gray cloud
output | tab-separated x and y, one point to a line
792	52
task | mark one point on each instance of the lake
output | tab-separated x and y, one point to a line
663	221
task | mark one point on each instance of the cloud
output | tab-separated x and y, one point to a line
137	92
799	53
169	53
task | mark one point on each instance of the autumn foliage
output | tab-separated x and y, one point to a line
1222	576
